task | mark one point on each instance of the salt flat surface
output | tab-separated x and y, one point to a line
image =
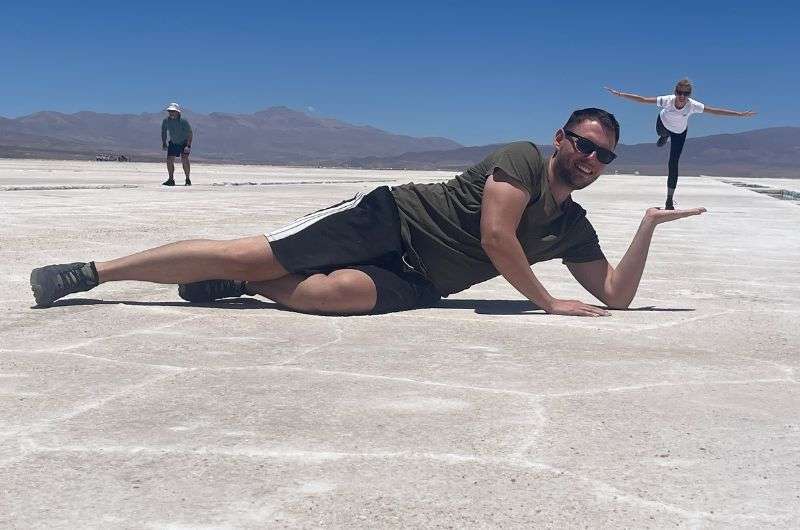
127	408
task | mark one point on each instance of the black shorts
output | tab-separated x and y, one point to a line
362	233
175	149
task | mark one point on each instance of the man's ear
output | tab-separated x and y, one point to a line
558	138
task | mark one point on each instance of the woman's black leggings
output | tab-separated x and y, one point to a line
676	142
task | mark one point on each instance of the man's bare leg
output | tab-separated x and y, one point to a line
186	167
248	258
346	291
171	166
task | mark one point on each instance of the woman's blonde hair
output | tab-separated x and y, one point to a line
684	85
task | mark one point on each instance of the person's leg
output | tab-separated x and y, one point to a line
170	169
675	150
345	291
359	289
248	258
661	131
173	150
186	167
328	239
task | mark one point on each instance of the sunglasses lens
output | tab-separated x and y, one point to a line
585	146
606	157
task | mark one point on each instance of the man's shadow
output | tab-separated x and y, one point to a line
523	307
228	303
480	306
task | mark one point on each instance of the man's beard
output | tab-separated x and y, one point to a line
569	175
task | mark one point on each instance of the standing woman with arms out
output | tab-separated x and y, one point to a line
672	124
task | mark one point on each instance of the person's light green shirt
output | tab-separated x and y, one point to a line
179	131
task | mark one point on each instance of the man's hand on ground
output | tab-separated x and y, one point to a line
658	216
575	308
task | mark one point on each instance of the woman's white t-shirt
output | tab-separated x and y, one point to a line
676	120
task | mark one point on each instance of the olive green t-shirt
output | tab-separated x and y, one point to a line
440	222
179	130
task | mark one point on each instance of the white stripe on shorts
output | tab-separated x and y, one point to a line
308	220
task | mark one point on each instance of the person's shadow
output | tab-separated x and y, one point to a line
480	306
228	303
523	307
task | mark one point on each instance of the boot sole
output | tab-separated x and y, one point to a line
39	290
185	293
200	296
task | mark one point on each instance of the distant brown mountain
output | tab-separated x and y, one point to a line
274	135
279	135
772	152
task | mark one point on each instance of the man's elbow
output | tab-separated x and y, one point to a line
492	241
617	301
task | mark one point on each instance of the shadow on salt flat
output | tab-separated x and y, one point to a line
775	193
67	187
521	307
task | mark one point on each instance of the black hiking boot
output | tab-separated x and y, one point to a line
188	182
56	281
168	182
669	205
210	290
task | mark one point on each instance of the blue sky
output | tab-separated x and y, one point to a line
477	72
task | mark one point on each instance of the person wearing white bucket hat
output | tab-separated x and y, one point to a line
180	142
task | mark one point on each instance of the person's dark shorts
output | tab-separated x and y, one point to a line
175	149
362	233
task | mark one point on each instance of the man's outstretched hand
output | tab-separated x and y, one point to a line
575	308
658	216
653	217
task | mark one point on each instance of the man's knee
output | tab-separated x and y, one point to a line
349	284
344	291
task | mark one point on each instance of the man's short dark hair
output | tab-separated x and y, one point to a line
606	119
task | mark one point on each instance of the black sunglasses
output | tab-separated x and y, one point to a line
682	93
587	147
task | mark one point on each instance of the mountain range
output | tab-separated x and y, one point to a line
772	152
279	135
276	135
